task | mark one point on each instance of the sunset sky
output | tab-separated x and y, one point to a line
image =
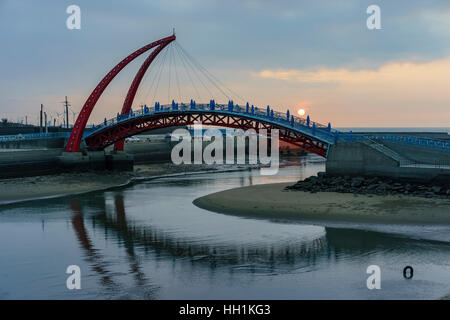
314	55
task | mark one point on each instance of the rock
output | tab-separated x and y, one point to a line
383	187
372	185
436	189
321	174
357	182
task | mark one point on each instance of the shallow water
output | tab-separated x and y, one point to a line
148	241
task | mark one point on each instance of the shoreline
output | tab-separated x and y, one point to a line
18	190
274	202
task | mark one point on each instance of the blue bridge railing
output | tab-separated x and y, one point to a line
33	136
317	130
395	138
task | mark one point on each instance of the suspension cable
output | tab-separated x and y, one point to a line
170	71
160	73
205	74
187	71
196	74
176	74
154	70
211	76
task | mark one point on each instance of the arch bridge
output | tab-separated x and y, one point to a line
300	132
311	136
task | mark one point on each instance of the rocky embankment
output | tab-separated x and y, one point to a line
371	185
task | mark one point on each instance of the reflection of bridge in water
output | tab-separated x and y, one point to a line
160	242
95	258
259	258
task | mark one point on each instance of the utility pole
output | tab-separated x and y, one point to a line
66	112
45	118
40	118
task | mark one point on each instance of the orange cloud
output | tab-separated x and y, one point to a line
387	73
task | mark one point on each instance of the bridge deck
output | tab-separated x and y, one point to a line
313	129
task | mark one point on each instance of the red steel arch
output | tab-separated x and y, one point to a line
118	146
74	142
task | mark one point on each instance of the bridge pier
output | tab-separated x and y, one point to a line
119	160
96	160
73	160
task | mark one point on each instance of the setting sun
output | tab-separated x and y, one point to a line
301	112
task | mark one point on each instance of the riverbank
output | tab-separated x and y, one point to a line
275	202
63	184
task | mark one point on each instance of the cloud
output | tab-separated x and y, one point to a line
394	72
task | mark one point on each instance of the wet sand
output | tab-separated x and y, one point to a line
57	185
272	201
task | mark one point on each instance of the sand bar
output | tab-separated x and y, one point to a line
272	201
63	184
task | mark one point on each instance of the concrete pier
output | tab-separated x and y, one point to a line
97	160
119	160
22	162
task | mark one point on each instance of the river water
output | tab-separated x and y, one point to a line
148	241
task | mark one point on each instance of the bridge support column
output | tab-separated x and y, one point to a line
96	160
73	160
119	160
79	161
